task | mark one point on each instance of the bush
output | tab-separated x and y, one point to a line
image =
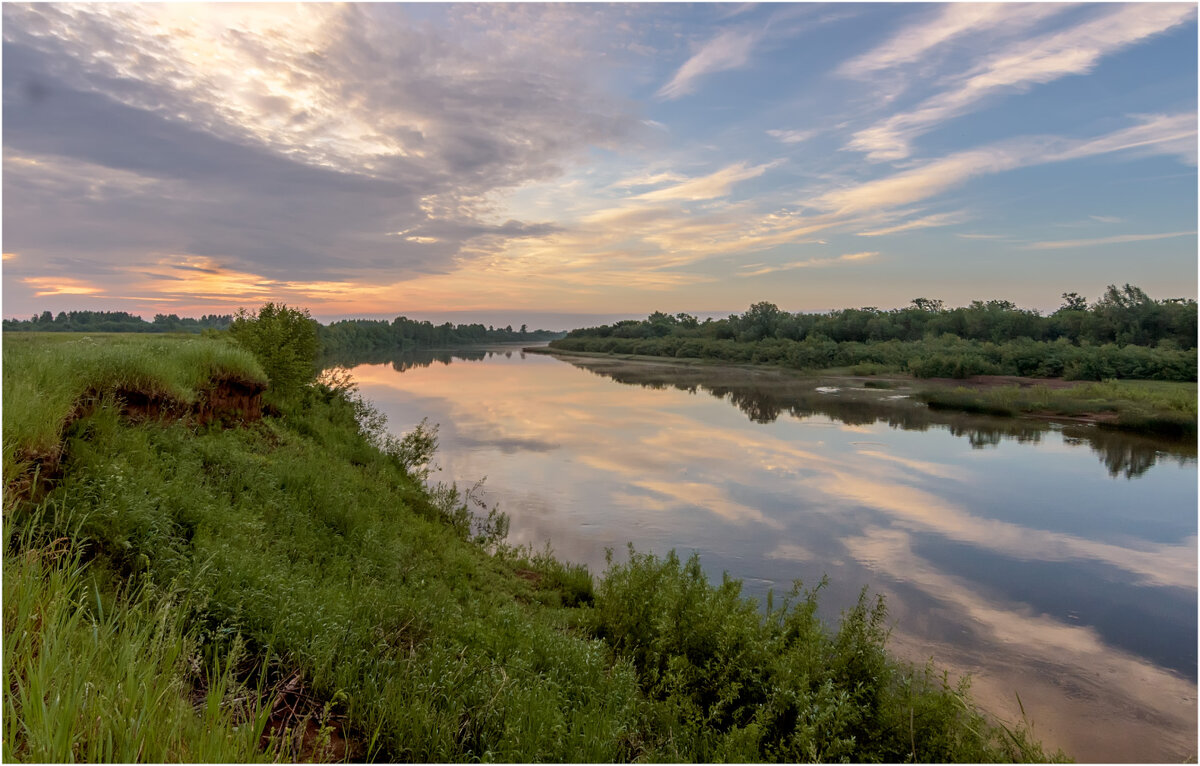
725	682
284	340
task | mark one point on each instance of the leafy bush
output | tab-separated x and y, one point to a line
284	340
727	683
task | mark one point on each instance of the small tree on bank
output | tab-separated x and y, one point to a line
285	342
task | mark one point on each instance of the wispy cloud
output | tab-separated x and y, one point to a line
716	184
1119	239
46	286
809	263
930	221
1158	134
729	50
792	136
1018	67
1154	134
944	25
1106	218
649	179
929	179
981	236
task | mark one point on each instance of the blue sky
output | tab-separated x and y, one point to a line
496	162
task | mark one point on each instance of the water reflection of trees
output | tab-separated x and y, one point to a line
407	360
1127	454
764	397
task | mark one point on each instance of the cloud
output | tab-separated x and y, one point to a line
728	50
792	136
288	143
717	184
946	24
649	179
930	178
940	219
1156	134
1106	218
46	286
1120	239
1019	66
809	263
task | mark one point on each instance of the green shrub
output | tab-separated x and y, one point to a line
727	682
284	340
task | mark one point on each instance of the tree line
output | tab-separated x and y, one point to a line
115	321
351	336
346	337
1123	334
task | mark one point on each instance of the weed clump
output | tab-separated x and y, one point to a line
726	682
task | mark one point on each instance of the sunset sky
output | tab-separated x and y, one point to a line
541	163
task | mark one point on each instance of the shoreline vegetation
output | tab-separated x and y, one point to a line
1160	408
271	575
341	338
1138	353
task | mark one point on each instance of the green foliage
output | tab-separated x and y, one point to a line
47	379
115	321
284	340
351	337
1149	406
90	681
1126	334
726	682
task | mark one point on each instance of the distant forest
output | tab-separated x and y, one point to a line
1123	334
355	336
115	321
347	337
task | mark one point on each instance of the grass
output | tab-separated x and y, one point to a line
179	580
1161	407
90	682
58	371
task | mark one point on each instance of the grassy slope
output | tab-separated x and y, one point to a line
178	581
55	371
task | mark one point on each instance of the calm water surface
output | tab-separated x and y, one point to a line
1057	562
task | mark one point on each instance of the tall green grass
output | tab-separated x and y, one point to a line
1162	407
47	375
95	679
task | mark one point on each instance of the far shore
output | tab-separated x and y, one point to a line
1131	405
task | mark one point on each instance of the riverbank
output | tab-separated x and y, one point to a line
288	585
1151	407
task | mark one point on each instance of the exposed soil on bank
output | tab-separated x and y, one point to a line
233	402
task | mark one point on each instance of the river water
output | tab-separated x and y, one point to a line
1054	563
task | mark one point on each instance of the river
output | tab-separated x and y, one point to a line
1054	563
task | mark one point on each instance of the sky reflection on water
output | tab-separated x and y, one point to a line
1047	560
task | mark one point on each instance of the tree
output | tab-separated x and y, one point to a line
1073	302
285	342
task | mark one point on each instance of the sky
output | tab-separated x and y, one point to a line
558	163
